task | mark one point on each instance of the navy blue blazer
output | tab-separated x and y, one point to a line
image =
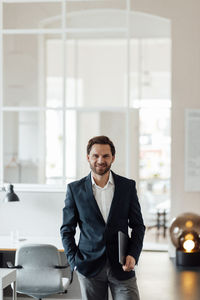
99	240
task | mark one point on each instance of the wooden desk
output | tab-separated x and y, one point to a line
7	277
8	246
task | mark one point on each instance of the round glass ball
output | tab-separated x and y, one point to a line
182	225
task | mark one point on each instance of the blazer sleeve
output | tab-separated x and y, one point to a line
68	228
136	224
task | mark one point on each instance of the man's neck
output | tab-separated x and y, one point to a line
101	180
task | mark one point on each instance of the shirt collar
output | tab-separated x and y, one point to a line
110	180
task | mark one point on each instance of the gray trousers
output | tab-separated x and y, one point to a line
96	288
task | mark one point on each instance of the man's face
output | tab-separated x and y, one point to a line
100	159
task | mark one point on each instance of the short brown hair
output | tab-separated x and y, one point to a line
103	140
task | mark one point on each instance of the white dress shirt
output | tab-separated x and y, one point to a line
104	195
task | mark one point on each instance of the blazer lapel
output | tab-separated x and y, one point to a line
92	201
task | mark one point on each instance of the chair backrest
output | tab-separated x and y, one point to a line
38	276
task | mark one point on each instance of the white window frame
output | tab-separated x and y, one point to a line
63	31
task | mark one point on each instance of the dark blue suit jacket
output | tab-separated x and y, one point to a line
99	240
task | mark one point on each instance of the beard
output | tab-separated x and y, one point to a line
100	169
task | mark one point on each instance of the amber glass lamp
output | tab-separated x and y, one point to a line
185	235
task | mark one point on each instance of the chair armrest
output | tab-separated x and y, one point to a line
61	267
10	266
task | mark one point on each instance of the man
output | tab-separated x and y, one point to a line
102	204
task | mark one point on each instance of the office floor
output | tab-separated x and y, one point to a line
158	279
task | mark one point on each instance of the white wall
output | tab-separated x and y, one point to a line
37	214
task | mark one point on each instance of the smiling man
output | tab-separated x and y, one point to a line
102	204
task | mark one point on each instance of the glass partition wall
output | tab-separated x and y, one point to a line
70	70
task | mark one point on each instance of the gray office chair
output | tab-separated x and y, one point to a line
39	271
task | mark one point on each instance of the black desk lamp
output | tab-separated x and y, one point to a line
10	194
